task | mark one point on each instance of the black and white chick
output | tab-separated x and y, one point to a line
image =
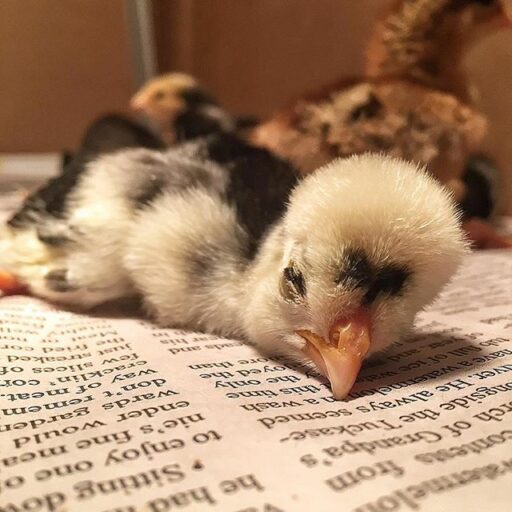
219	236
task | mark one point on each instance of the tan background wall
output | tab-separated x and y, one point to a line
61	63
491	66
64	61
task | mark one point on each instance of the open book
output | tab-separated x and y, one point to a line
112	414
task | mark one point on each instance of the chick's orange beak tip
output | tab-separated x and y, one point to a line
340	358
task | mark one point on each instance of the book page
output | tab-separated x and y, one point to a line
107	413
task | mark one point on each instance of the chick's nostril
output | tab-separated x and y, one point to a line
352	333
338	330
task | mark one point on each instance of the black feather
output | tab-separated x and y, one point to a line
296	278
105	135
194	123
196	97
259	186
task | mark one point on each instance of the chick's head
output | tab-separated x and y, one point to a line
365	244
165	96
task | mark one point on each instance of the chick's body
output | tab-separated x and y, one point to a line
217	235
215	188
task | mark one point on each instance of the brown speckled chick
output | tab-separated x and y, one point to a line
414	102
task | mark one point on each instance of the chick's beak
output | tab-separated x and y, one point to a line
137	103
340	358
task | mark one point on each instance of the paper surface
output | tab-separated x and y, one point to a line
113	414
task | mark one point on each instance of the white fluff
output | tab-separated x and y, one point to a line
184	252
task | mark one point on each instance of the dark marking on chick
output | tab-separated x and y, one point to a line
195	97
259	186
105	135
51	238
51	198
357	271
389	280
57	280
151	188
245	122
195	123
296	279
112	132
202	257
66	157
367	110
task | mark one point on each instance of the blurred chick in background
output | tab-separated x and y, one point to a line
415	103
180	109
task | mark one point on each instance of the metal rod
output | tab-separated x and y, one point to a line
141	32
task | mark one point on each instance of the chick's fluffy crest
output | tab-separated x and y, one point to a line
384	203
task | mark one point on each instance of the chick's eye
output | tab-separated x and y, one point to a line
292	285
159	95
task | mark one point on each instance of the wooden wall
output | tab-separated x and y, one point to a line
491	66
258	54
62	62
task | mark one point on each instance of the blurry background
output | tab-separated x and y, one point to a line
62	63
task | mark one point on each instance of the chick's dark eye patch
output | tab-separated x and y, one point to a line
293	284
388	280
392	279
356	270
